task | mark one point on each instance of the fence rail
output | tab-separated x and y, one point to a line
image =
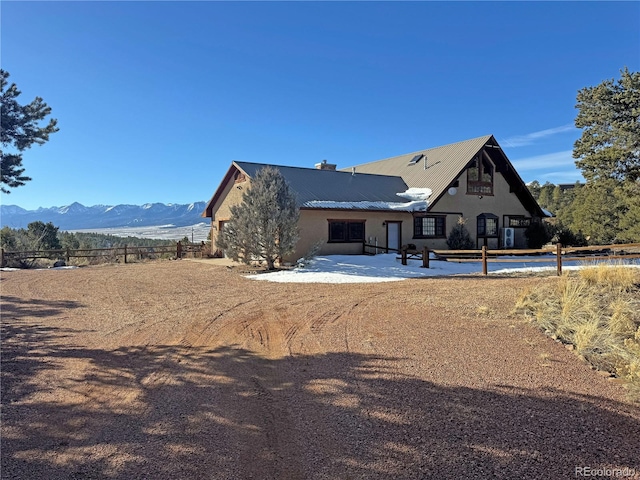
559	255
179	250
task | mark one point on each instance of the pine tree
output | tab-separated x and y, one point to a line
629	194
265	225
597	211
459	237
19	131
608	153
609	115
43	236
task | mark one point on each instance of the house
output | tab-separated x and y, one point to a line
382	202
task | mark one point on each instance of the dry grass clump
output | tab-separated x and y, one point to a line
597	311
615	276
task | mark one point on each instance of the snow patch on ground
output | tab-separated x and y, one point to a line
388	268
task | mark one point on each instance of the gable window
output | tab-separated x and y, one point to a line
429	227
480	177
239	177
346	231
487	225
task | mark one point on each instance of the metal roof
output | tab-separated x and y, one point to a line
436	169
380	181
440	166
314	185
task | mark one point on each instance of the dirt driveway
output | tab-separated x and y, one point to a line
176	370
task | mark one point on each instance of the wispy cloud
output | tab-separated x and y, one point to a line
570	176
549	160
557	167
530	138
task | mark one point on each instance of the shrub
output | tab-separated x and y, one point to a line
538	234
459	237
565	236
598	312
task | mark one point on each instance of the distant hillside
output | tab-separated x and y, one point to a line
77	216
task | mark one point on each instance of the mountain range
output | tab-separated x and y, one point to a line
76	216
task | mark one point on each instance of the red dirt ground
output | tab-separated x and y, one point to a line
188	370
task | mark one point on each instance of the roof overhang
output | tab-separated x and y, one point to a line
494	152
208	211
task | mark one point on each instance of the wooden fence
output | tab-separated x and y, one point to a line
125	252
555	254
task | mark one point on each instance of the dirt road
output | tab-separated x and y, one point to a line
175	370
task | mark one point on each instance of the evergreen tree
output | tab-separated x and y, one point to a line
609	115
629	195
43	236
597	210
534	187
69	240
8	239
538	233
20	130
459	237
545	198
608	153
264	225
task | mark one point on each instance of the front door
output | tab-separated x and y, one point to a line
394	236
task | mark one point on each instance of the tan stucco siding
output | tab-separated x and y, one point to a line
314	227
502	203
314	224
221	210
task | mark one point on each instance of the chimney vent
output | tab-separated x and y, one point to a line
325	166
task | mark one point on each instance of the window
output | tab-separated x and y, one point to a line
487	225
240	177
519	222
480	177
429	227
346	231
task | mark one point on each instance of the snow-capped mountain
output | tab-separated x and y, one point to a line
77	216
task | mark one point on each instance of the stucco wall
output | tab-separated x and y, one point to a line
231	195
502	203
314	227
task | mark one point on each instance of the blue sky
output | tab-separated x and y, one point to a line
155	99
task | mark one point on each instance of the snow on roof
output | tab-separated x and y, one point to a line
401	206
419	202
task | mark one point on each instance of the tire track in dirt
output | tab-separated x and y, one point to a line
242	379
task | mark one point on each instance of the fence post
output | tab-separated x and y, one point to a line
1	257
404	255
179	249
125	253
425	256
559	257
484	260
67	256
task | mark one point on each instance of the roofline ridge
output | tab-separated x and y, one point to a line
342	171
424	150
